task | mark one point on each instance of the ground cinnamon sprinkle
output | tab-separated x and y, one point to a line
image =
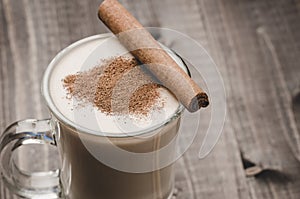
69	82
145	95
118	86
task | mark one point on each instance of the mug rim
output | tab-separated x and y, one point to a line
80	129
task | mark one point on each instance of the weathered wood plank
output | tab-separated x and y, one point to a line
258	78
6	81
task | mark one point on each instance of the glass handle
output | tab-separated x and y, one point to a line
42	185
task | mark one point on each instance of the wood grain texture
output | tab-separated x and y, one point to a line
256	45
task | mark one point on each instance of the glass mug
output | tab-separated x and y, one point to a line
81	174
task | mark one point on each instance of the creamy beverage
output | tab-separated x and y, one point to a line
86	130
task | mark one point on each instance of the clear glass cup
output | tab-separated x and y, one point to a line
81	175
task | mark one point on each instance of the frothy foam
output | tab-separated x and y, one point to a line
83	57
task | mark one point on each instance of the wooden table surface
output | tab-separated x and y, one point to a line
256	46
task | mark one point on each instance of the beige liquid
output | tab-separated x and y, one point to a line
91	179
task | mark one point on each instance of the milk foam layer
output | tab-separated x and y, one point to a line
85	56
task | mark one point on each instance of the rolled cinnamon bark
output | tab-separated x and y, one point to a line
148	51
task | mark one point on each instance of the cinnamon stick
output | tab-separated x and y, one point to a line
148	51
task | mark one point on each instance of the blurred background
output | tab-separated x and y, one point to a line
256	46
